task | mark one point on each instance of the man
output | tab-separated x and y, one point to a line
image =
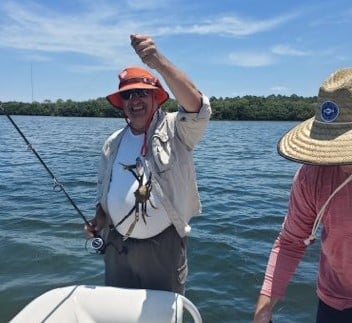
321	193
147	190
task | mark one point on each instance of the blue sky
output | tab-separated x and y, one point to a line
73	49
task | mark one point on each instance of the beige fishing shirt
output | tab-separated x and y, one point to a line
171	139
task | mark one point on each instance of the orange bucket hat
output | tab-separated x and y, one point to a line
135	77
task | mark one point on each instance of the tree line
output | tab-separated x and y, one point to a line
272	107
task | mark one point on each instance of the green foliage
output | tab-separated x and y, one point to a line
273	107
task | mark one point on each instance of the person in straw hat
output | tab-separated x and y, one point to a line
320	194
147	190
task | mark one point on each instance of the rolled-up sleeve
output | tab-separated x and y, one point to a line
190	126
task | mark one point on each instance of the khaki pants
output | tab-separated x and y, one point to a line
157	263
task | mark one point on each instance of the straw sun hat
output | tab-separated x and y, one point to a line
325	139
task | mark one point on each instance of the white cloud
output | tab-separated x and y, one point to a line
38	58
257	59
228	25
38	29
100	30
288	51
250	59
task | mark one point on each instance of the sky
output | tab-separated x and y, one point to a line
74	49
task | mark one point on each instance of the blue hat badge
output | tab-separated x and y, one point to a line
329	111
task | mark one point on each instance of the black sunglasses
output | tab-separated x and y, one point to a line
140	93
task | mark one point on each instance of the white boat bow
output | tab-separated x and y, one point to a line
88	304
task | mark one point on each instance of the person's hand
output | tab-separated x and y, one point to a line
146	49
263	310
97	223
183	89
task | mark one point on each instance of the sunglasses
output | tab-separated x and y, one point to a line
139	93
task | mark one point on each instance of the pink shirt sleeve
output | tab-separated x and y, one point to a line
311	188
289	247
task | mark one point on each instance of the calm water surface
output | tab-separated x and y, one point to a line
244	187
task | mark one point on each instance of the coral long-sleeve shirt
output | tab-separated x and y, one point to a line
312	186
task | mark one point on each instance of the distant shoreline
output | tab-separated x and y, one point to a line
270	108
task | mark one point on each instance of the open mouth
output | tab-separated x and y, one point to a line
138	109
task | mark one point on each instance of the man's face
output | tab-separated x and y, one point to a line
138	108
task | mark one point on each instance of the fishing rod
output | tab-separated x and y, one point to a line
96	243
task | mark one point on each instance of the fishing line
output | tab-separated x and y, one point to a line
96	243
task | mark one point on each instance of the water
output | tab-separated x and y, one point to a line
244	187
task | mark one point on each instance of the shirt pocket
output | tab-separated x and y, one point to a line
163	152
